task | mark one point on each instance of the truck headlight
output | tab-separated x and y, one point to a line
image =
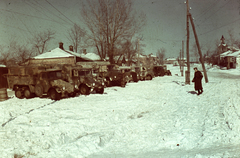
93	84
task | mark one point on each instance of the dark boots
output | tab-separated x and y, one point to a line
200	91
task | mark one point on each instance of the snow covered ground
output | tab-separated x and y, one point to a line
149	119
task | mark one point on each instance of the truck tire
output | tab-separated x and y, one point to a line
53	94
148	77
108	83
73	94
100	91
123	83
84	89
38	90
27	93
18	94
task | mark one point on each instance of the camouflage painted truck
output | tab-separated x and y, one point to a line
29	81
83	80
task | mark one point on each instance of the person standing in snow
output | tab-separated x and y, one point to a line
198	81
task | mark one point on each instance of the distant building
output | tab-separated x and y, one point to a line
230	59
170	61
228	56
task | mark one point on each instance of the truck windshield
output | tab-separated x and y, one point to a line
84	73
54	75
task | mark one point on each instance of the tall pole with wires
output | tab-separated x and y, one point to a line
187	73
199	50
138	63
183	61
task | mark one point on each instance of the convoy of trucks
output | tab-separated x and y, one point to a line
58	81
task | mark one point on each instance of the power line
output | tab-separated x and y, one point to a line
219	27
205	11
14	27
50	19
215	12
59	11
27	15
48	10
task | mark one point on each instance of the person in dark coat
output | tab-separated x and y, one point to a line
198	81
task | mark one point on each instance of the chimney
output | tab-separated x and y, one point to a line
61	45
84	51
71	48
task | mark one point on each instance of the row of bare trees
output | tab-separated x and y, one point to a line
111	28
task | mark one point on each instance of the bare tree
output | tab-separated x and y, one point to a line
110	22
15	53
231	39
41	40
161	55
76	34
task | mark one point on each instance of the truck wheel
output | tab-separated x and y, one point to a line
84	89
108	83
100	91
38	90
27	93
73	94
53	94
18	94
149	77
123	84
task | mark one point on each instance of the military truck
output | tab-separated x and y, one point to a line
83	79
31	81
160	70
113	76
128	73
143	73
166	71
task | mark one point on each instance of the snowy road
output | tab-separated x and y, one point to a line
158	118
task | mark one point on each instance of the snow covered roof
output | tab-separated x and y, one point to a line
171	59
226	53
78	55
154	56
55	53
91	56
230	53
234	54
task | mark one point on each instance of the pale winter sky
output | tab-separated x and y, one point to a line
165	28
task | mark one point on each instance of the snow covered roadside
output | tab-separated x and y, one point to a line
158	118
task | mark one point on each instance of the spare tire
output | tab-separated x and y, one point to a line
38	90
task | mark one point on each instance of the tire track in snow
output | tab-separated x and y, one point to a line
28	112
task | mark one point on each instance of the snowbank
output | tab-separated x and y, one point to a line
158	118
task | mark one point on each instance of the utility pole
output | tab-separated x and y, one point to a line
183	61
187	73
179	60
199	50
138	53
